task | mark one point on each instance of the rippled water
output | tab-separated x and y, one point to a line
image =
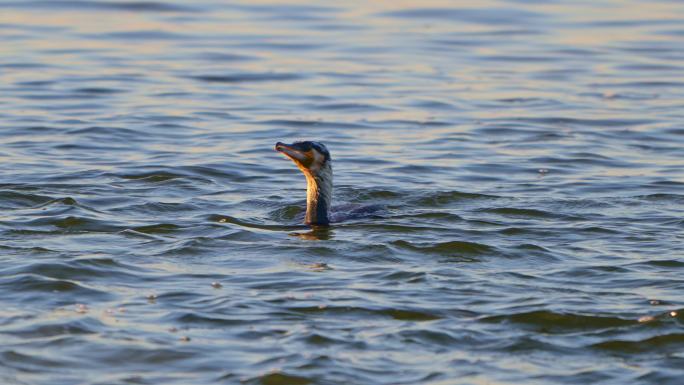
528	156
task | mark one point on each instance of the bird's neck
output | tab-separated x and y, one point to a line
318	196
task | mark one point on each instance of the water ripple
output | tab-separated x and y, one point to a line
129	6
507	203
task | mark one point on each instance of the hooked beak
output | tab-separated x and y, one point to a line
291	152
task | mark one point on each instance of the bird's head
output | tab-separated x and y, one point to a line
310	157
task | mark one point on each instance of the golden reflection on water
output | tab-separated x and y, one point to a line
468	78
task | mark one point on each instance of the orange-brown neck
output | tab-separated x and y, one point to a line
318	196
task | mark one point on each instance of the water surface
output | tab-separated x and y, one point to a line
528	156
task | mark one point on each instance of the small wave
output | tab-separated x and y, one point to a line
195	320
399	314
532	247
521	100
408	123
352	107
595	230
667	263
662	197
560	322
324	340
410	315
109	132
219	171
513	211
80	269
158	176
446	248
497	16
68	223
144	355
159	228
447	197
236	221
95	91
389	227
81	326
156	208
402	276
141	35
355	194
275	46
433	104
224	57
671	342
279	378
36	83
27	250
15	199
73	223
439	216
311	123
520	58
642	84
517	212
194	246
80	5
21	361
249	77
565	121
38	289
68	201
162	176
430	337
24	65
576	160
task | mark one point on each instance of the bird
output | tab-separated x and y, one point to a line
314	160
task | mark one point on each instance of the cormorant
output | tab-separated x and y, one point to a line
314	160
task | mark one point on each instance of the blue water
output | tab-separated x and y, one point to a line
528	157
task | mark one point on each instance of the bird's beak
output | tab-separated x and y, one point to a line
291	152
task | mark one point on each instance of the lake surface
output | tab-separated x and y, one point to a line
528	157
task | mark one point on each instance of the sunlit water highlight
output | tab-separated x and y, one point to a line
528	157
